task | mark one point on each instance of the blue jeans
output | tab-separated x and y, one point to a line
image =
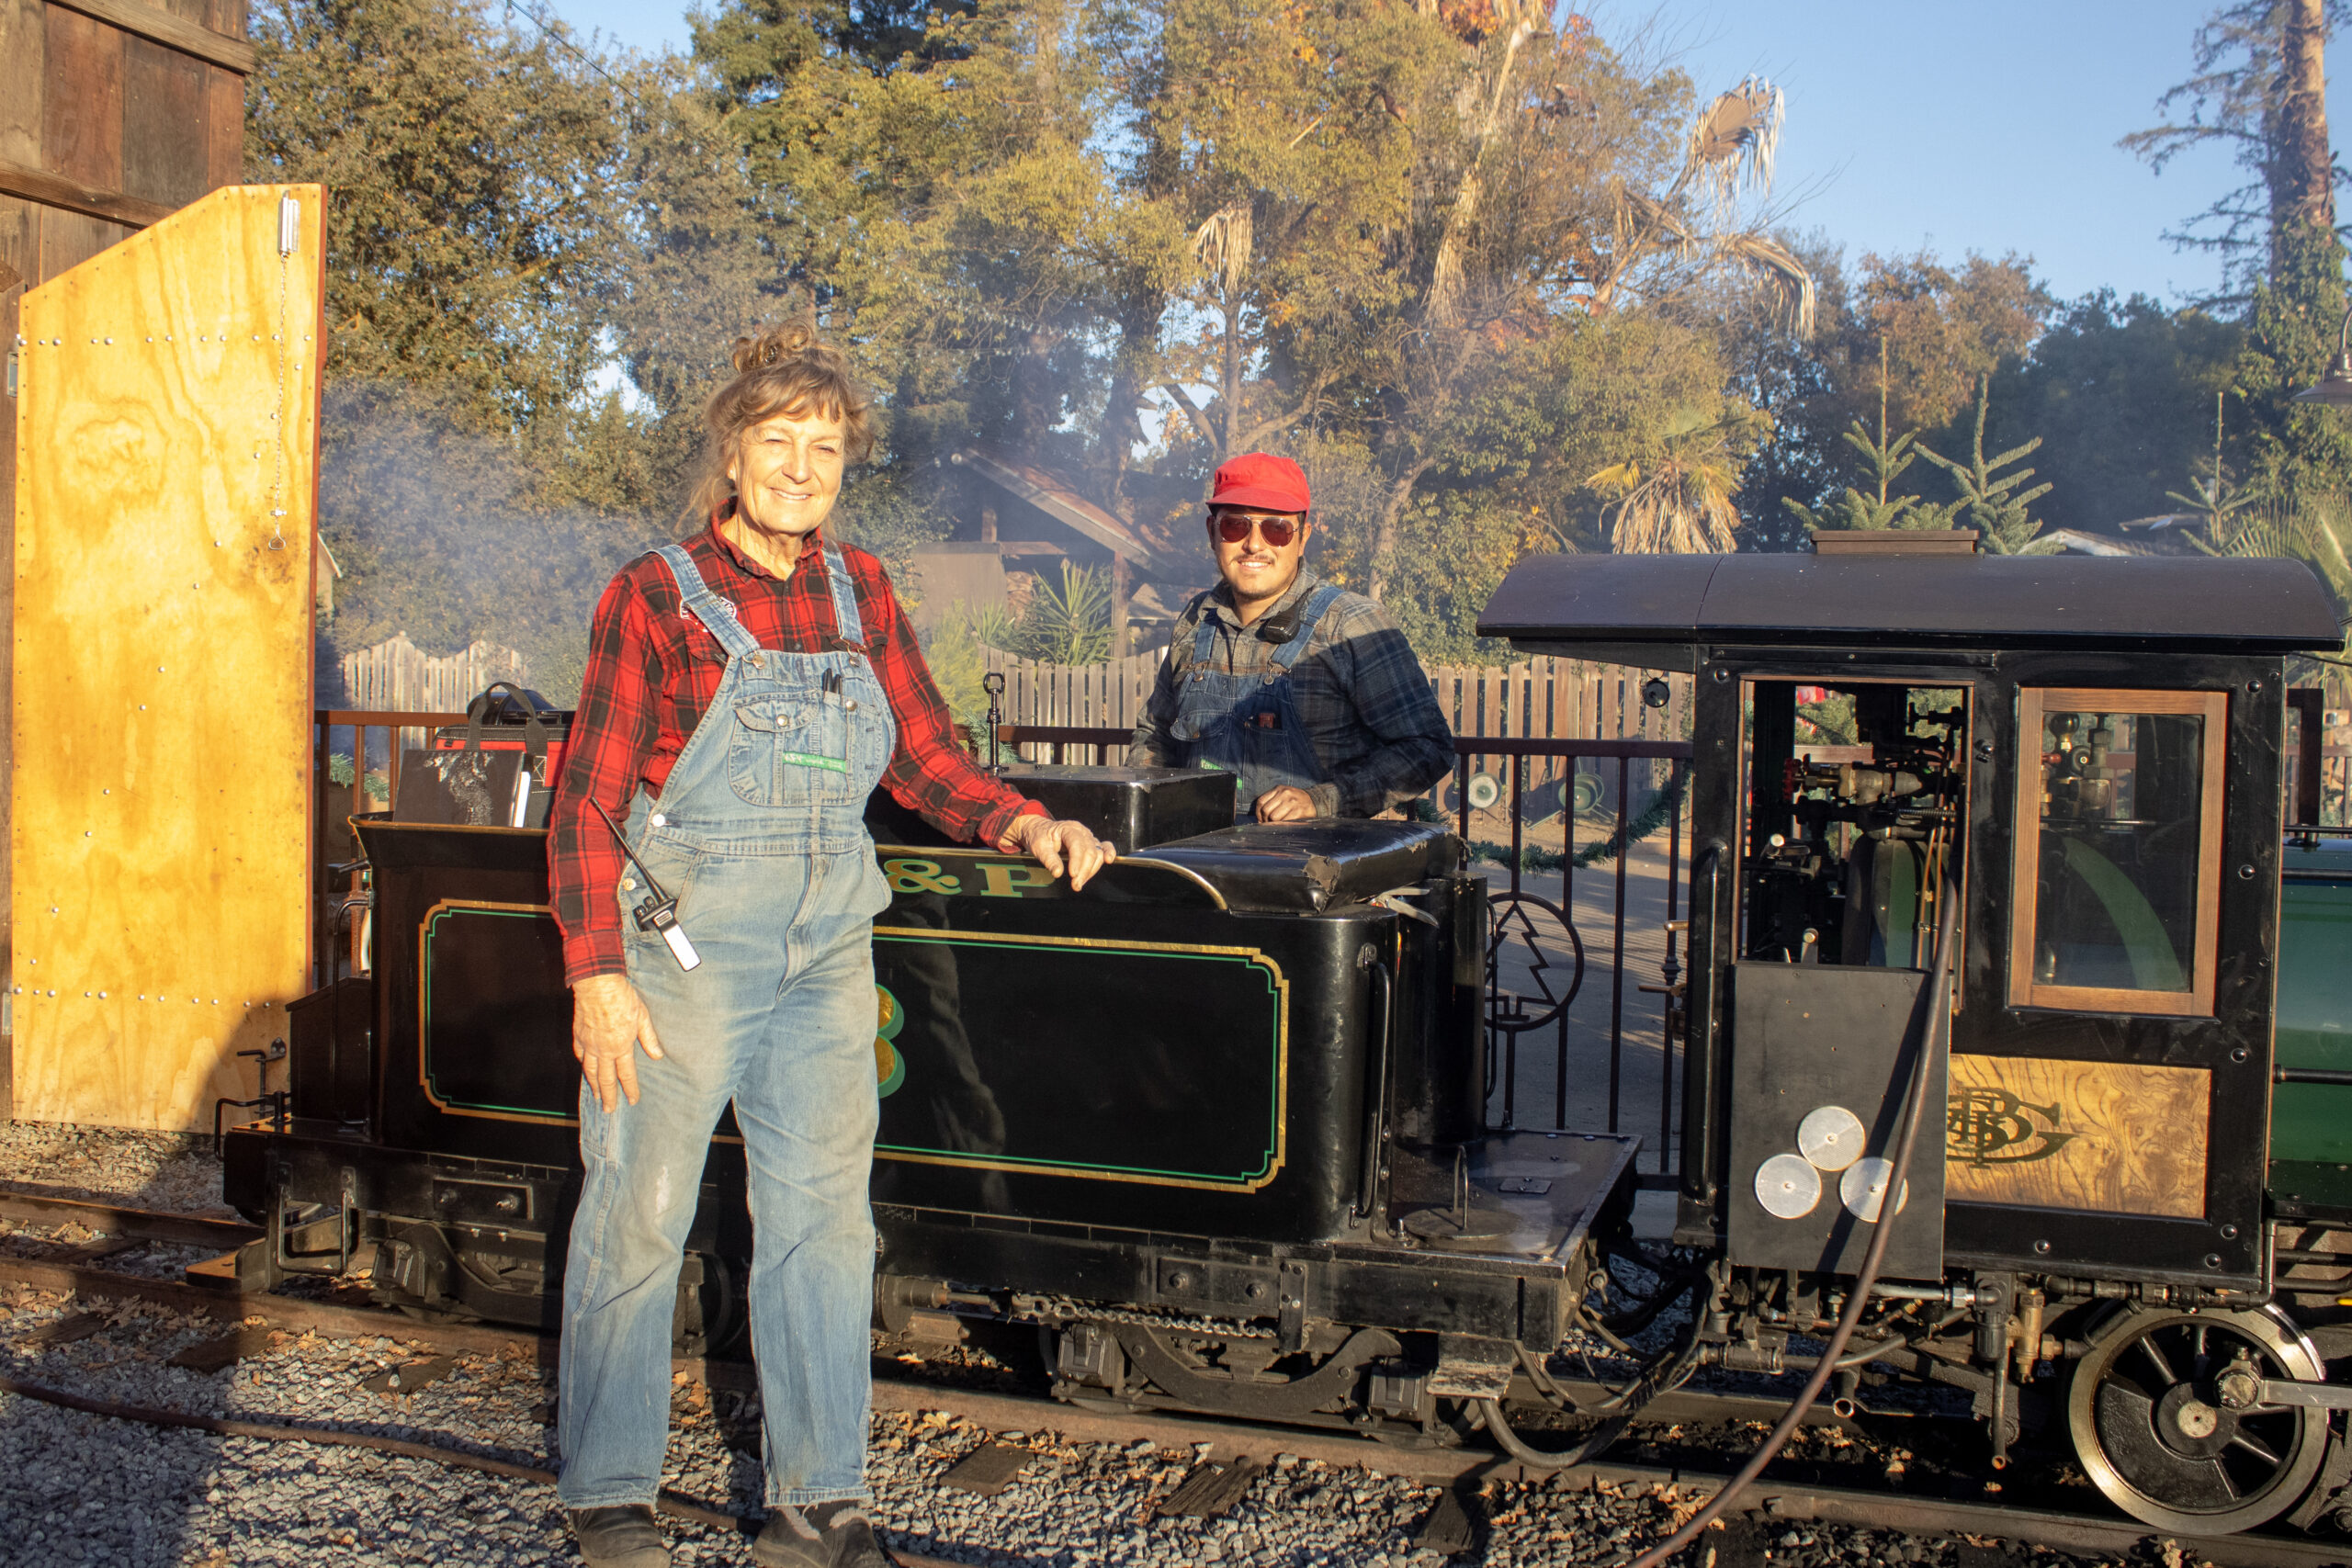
788	1036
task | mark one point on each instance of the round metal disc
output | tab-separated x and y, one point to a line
1863	1188
1788	1186
1830	1137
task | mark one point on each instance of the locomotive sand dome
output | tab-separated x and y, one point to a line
1236	1159
2086	755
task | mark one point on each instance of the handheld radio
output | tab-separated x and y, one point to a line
660	911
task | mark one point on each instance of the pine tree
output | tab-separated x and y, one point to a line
1885	459
2004	526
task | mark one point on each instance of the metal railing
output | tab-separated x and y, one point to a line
334	884
1522	951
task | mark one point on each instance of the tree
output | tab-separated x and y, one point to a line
1942	328
1899	346
470	226
1682	505
2121	391
1885	458
2259	85
1993	506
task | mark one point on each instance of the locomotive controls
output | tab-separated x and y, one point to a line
1859	808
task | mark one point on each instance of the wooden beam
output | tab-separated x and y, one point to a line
155	22
55	190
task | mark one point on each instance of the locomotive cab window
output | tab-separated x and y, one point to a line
2119	845
1855	808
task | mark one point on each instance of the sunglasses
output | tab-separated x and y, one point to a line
1276	531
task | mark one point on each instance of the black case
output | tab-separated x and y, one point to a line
496	770
1132	807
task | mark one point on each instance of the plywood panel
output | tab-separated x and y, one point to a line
82	119
2095	1135
163	664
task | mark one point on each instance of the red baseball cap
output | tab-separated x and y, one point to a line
1261	480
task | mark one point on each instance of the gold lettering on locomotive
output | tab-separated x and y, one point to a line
1992	1126
919	876
1010	880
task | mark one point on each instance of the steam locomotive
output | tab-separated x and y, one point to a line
1216	1127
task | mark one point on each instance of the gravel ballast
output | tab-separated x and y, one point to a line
79	1489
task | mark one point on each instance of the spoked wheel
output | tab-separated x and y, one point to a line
2150	1425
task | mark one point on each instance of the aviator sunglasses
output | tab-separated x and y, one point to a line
1276	531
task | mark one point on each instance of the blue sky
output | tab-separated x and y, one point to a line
1987	127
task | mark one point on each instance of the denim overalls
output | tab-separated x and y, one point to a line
760	835
1245	724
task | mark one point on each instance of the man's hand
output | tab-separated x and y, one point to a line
608	1023
1286	805
1058	846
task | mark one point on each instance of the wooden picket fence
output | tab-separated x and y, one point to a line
1553	699
396	676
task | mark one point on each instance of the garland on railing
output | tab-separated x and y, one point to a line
1662	806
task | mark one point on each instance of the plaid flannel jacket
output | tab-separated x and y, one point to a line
652	671
1361	695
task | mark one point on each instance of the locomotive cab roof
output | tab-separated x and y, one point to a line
1656	611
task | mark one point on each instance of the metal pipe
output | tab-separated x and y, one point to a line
1670	971
1376	1120
1699	1050
1617	951
2336	1075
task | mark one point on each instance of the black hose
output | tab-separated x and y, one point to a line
1881	1232
1668	1371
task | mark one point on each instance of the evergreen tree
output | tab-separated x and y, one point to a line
1991	504
1885	458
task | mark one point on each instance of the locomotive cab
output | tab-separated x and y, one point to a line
2079	763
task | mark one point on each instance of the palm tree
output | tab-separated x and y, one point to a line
1682	503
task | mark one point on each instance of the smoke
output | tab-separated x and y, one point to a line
451	537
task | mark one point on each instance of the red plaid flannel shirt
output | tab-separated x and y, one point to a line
652	671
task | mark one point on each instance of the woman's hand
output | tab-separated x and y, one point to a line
608	1023
1058	846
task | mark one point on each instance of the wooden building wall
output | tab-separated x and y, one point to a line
113	114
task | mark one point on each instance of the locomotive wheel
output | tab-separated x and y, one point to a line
2151	1429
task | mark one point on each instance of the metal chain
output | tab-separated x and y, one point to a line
1063	1309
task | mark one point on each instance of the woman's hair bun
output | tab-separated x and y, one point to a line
776	345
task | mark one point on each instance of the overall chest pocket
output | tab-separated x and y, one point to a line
793	751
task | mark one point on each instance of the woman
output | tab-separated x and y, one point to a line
745	692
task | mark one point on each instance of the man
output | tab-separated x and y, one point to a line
1307	694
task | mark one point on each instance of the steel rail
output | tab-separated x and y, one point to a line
1794	1502
147	1224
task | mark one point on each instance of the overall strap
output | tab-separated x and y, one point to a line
697	600
1204	633
1309	614
847	626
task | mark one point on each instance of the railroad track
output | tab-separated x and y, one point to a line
1776	1500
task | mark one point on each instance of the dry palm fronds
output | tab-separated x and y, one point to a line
1779	267
1221	246
1735	139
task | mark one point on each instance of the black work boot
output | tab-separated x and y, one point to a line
822	1535
623	1536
